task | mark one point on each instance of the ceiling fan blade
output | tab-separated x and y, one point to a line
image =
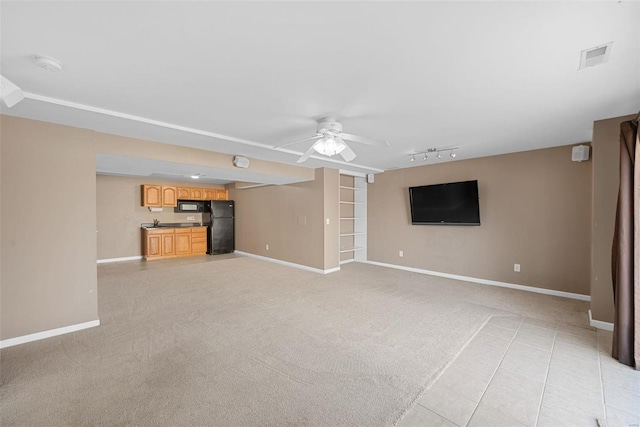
300	140
307	154
363	140
347	153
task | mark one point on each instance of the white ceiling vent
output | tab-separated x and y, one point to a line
595	55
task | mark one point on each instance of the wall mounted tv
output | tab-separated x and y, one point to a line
455	203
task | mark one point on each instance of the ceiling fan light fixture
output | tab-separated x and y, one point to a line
453	154
329	145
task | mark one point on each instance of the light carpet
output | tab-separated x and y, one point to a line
247	342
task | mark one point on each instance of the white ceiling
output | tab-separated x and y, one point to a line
241	77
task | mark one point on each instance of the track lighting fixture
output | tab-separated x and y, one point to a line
438	151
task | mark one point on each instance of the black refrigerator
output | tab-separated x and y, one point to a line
218	216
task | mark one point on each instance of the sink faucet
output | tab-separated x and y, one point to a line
156	222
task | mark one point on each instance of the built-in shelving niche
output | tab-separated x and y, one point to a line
353	218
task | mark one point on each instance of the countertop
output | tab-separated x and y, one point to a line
172	225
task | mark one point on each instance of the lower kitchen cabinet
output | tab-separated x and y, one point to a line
159	243
183	241
152	246
168	245
199	241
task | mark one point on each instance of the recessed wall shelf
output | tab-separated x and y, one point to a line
353	249
353	218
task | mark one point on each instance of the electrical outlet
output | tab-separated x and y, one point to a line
328	221
400	254
516	268
267	247
191	218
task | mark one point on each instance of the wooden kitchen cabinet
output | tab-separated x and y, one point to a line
152	195
158	196
153	245
215	194
222	195
160	243
210	194
169	196
183	241
199	240
196	194
184	193
168	245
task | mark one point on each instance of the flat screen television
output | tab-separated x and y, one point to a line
454	203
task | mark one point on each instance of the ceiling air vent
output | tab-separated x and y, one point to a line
595	55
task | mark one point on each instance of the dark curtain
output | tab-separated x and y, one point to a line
624	261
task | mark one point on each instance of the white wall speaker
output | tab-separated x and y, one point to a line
241	162
580	153
370	178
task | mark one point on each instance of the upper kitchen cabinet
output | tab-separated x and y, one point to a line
158	196
215	194
151	195
222	195
210	194
197	194
184	193
169	196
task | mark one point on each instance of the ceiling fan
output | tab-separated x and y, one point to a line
330	140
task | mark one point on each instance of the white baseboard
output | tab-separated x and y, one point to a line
486	281
599	324
347	261
289	264
127	258
48	334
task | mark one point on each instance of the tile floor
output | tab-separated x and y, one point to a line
526	372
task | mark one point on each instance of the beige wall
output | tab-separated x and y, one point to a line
290	219
535	210
331	179
48	227
606	180
119	214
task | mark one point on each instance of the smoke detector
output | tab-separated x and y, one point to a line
595	55
48	63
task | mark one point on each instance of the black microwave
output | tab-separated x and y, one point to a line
189	206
